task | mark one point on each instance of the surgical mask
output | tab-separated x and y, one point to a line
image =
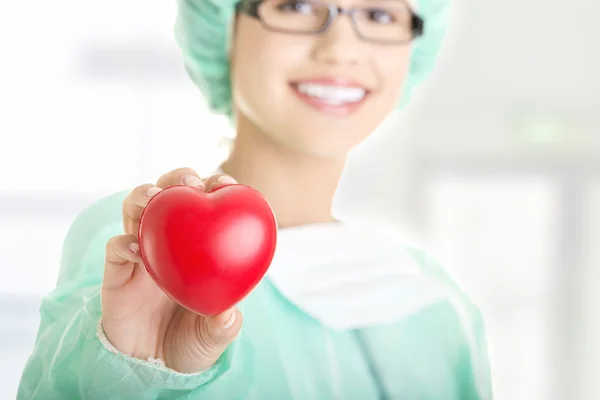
350	277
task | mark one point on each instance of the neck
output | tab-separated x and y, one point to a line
300	188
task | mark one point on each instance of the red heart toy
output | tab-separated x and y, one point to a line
207	251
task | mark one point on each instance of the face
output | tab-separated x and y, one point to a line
321	94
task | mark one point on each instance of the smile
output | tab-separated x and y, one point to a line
331	98
334	95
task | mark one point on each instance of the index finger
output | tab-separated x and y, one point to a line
180	176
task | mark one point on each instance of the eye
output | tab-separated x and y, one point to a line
380	16
301	7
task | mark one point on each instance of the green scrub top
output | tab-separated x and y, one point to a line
281	352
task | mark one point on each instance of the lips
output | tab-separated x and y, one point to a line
333	96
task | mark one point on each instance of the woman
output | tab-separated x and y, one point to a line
343	313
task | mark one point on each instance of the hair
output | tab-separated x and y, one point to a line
203	31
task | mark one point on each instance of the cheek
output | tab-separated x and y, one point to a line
393	69
247	63
260	72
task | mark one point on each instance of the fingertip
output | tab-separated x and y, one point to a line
226	179
134	247
131	245
153	191
226	320
192	180
218	181
122	252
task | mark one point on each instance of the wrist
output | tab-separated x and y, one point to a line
108	345
154	363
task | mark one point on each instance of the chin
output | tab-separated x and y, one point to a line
336	137
333	147
312	133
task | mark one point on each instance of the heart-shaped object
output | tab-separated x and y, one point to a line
207	251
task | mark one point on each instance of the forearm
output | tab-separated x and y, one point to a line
72	359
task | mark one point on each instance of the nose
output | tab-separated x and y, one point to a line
339	44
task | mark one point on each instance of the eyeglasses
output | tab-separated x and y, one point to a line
386	22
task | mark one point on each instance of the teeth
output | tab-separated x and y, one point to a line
334	95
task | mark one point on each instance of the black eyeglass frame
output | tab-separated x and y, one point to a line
251	8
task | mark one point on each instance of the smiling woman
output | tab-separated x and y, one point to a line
344	311
316	50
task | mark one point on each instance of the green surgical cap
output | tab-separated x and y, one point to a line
203	32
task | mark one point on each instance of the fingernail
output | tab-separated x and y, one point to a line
134	247
230	321
226	179
193	181
152	191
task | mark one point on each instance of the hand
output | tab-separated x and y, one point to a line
138	318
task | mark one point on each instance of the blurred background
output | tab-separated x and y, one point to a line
495	166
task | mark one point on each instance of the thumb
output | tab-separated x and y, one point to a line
220	330
201	341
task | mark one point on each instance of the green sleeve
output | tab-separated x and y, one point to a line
69	361
474	370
